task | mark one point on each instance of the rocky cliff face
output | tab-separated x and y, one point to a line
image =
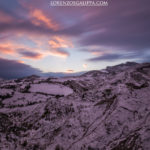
100	110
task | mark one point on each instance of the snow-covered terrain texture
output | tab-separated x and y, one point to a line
55	89
100	110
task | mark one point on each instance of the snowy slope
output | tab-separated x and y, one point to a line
99	110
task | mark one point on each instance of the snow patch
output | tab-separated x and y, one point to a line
56	89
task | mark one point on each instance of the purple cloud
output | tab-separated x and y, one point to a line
31	55
115	57
124	25
14	69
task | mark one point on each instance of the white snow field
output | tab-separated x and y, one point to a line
56	89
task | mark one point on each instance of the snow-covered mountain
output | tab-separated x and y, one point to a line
99	110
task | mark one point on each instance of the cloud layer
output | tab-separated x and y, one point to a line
31	31
14	69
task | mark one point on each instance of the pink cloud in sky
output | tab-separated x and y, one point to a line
39	17
58	53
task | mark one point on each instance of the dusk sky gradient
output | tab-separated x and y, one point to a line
39	38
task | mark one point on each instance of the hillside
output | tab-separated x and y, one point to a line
99	110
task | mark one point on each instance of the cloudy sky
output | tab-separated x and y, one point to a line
35	37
